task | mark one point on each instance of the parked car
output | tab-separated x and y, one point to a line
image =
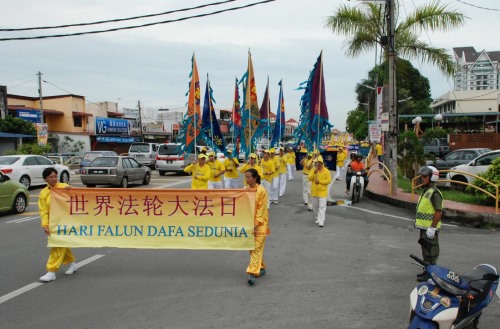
169	160
115	170
457	157
90	156
27	169
476	166
437	147
14	196
144	153
72	161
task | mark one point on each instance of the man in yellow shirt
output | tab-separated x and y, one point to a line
290	157
231	175
341	156
320	179
252	163
201	173
380	154
216	171
306	164
282	171
275	176
268	170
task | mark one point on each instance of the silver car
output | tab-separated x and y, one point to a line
169	160
115	170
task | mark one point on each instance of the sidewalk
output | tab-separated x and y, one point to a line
469	214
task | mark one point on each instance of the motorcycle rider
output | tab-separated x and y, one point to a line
428	217
355	166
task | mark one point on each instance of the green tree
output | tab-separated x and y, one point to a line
357	124
17	126
30	148
365	29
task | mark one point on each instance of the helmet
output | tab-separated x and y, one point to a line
430	171
358	155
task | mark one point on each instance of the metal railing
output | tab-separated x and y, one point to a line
495	196
385	170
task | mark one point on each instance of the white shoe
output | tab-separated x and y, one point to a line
316	222
71	269
50	276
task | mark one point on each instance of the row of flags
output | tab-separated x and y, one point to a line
248	121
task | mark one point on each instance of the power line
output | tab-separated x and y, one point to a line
476	6
139	26
116	19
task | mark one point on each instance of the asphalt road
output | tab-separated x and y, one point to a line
353	273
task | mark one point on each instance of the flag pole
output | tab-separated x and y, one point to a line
210	109
279	106
232	119
195	122
268	116
320	96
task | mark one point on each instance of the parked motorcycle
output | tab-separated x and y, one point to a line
449	300
357	186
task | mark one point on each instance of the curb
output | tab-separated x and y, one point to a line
469	218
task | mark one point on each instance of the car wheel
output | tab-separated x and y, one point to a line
19	205
25	180
146	179
65	177
161	172
458	178
90	185
124	182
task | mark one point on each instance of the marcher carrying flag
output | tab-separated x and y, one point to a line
279	124
209	124
236	119
314	114
192	120
250	117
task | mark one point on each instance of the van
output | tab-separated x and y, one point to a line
144	153
438	147
169	160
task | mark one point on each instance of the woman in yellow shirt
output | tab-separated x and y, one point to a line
290	156
256	268
252	163
201	173
58	255
268	170
320	178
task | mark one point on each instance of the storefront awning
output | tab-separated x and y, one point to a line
52	112
82	114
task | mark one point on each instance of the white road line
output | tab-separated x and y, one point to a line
172	184
34	285
18	220
388	215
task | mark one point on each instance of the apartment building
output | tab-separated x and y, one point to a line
476	70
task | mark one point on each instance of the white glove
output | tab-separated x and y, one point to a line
431	232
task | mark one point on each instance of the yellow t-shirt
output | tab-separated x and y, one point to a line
230	165
268	167
261	219
320	190
378	149
290	156
215	167
283	161
247	166
201	175
277	166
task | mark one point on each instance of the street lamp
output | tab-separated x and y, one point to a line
438	117
417	122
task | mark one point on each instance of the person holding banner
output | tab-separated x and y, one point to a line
268	170
290	157
231	174
256	268
216	171
320	178
58	255
200	172
252	163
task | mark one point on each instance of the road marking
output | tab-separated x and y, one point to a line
34	285
20	220
172	184
388	215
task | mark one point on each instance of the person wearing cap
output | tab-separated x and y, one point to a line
268	170
290	157
217	169
306	164
200	172
341	155
252	163
231	175
320	179
275	186
282	171
204	151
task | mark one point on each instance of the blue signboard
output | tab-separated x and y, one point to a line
32	116
107	126
113	139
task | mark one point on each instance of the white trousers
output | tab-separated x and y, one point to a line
282	184
275	188
267	185
291	170
230	183
340	172
214	185
306	188
319	208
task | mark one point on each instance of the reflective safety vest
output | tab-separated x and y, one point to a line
425	210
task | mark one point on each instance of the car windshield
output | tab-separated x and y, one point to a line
168	150
55	159
92	155
104	162
483	151
139	148
8	160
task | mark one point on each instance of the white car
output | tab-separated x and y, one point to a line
477	166
27	169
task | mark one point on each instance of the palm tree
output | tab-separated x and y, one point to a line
364	26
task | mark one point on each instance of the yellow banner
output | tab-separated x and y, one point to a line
156	219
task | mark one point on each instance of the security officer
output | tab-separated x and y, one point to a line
428	217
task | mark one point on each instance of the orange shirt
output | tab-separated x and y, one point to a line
357	166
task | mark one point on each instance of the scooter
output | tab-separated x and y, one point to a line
357	186
449	300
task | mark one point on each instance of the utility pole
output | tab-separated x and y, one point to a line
392	104
140	121
40	94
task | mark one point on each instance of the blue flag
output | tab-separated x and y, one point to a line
209	124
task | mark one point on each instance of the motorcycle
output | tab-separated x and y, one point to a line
357	186
449	300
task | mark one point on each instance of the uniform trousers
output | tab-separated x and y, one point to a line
340	172
230	183
291	170
275	188
282	183
257	255
214	185
58	256
319	209
267	185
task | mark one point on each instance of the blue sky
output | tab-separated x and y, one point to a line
152	64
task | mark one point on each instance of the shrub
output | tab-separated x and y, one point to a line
492	175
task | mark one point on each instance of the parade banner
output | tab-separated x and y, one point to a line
152	219
42	134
